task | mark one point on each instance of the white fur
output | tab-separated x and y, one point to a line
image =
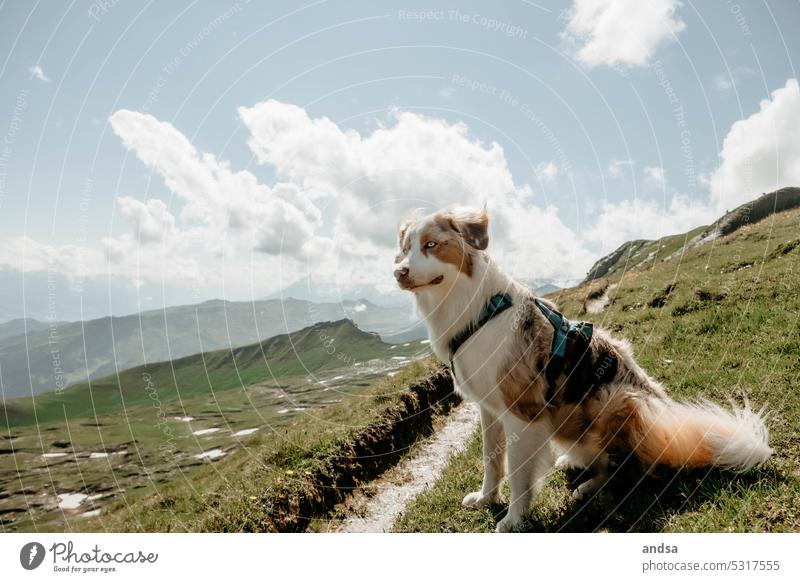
446	309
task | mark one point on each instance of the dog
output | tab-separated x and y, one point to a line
597	403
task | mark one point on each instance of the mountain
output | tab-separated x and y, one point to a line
546	289
58	356
322	346
310	290
20	326
642	254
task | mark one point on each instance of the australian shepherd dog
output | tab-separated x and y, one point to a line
600	402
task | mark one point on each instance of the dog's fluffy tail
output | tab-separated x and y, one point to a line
697	434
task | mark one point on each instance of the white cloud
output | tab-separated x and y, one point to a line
621	32
446	93
616	168
760	153
224	223
727	81
38	73
654	175
220	204
151	221
646	219
547	172
26	254
411	161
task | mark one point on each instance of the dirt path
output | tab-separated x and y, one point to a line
598	305
413	475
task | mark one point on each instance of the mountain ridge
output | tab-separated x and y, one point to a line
57	355
641	253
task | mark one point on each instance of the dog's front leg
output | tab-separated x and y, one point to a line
494	449
529	459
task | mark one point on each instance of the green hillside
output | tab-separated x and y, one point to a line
121	438
643	254
85	350
718	320
320	347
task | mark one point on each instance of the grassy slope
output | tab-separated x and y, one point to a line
314	349
719	321
267	386
249	489
95	348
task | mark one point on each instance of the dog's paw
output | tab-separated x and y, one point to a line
477	499
586	489
508	524
563	462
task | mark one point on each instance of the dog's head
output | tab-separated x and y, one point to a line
439	248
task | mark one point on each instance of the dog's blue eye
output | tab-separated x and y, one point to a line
430	244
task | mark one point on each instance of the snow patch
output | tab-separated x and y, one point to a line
205	431
212	454
245	432
70	500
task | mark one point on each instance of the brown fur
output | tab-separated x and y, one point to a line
450	249
455	234
600	415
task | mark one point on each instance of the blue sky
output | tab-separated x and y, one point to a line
165	145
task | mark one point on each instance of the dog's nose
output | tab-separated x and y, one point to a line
400	272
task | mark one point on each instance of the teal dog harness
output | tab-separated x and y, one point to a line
563	329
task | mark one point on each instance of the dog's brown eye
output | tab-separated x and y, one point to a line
430	244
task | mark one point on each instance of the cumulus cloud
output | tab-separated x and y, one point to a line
409	161
38	73
379	175
26	254
760	153
729	80
151	221
222	203
221	220
647	219
617	168
654	175
547	172
621	32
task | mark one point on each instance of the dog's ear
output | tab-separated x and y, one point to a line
473	226
403	227
401	230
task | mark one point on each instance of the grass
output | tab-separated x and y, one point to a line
719	321
280	481
313	349
269	386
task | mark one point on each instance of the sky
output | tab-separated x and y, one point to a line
186	151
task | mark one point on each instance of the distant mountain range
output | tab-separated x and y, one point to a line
21	326
323	346
58	355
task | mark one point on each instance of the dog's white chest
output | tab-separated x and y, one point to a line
479	360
